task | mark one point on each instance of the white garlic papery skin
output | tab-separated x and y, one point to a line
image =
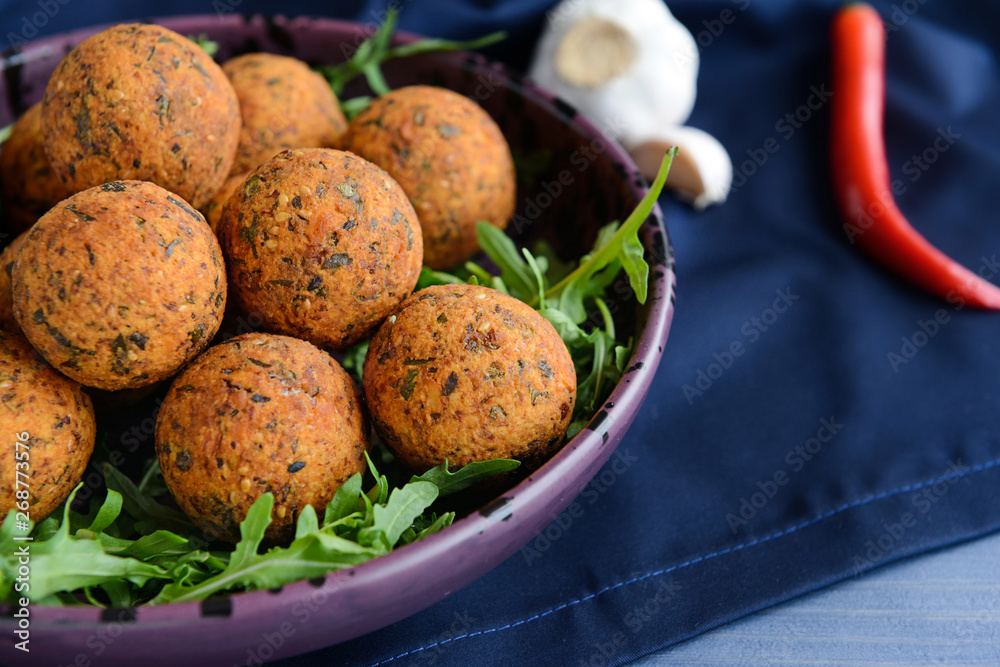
701	173
628	65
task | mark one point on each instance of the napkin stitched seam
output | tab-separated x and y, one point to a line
715	554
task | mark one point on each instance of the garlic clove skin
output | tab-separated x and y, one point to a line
702	172
628	65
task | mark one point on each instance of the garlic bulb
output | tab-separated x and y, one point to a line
631	67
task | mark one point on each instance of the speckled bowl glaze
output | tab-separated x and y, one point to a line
582	180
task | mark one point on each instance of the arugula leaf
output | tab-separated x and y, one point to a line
5	132
109	511
363	58
623	245
354	359
395	516
118	592
380	491
430	277
48	527
514	270
152	484
313	552
160	543
345	500
252	529
355	105
149	514
537	272
426	525
66	563
436	525
375	50
308	522
7	546
207	45
9	530
555	268
469	475
369	531
101	564
480	276
192	568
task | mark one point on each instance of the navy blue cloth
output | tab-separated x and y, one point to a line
814	416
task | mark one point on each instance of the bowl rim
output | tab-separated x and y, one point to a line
582	450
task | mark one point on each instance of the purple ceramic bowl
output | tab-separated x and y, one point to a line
582	180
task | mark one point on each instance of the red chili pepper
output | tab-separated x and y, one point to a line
861	174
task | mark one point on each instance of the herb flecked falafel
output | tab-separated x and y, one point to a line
141	102
259	413
56	419
450	158
466	373
28	185
120	285
284	104
7	257
321	245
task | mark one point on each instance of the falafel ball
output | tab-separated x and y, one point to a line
450	158
50	414
28	185
321	245
120	285
213	209
284	104
141	102
466	373
7	257
259	413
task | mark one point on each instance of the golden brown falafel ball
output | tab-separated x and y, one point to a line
52	415
7	257
259	413
468	373
120	285
213	209
28	185
321	245
451	159
141	102
284	104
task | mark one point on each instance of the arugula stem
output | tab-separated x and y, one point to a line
223	581
154	468
375	50
428	45
606	253
609	322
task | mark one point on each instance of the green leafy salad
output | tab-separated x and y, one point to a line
132	547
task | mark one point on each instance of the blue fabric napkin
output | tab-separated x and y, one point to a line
813	416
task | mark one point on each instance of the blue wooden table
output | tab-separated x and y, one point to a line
941	608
